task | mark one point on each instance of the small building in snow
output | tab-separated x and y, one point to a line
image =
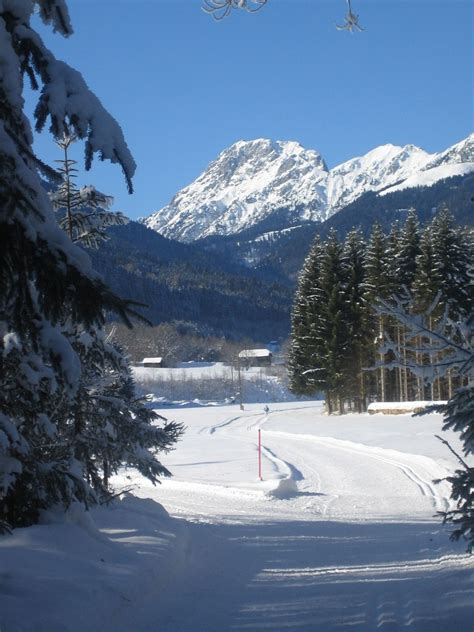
152	363
255	357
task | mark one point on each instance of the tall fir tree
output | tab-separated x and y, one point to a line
332	339
378	285
404	260
304	357
407	251
332	334
357	358
48	290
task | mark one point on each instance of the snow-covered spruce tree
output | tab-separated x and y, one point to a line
404	267
407	251
442	279
304	356
48	290
359	334
108	425
378	285
333	332
329	331
459	416
84	212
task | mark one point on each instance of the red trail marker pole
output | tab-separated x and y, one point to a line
260	454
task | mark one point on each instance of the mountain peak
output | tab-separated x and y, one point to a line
243	186
254	180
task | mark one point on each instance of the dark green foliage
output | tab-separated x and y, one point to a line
181	282
406	251
358	354
84	213
378	282
109	426
51	300
333	326
343	333
304	367
462	517
459	416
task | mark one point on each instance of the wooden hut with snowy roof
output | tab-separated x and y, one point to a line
255	357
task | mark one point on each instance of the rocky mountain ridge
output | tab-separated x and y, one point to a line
251	181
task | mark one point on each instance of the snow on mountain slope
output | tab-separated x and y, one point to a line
458	153
252	180
428	177
243	186
384	165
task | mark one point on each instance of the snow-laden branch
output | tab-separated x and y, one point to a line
445	336
69	104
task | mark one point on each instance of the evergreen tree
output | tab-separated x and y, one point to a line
332	332
378	285
358	333
304	363
404	259
48	290
459	416
338	328
407	251
442	268
457	345
108	426
86	213
452	258
441	284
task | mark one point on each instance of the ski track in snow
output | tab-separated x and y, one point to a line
240	426
273	557
340	535
427	489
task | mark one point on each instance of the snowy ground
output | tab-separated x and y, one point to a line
340	534
213	383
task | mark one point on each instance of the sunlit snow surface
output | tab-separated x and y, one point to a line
340	534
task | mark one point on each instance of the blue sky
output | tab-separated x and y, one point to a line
184	87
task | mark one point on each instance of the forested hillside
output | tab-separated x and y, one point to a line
179	282
242	285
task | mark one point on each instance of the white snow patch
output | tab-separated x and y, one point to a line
340	534
431	176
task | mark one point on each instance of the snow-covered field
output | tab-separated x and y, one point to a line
340	534
213	383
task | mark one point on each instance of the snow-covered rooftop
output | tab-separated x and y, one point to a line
255	353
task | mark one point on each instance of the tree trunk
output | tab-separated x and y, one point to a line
382	359
328	403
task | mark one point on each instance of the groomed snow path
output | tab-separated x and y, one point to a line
340	534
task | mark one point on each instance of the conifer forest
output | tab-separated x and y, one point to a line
348	343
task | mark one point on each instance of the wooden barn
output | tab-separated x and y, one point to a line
255	357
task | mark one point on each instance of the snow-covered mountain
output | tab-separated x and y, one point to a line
252	180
